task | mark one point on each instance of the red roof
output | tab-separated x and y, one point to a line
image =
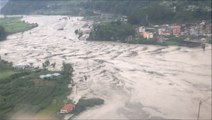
69	107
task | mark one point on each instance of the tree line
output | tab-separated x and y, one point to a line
138	11
155	11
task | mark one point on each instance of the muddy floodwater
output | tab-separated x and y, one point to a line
136	81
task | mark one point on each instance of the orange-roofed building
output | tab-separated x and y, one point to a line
176	30
147	35
67	108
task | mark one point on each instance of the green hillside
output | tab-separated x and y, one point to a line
138	11
155	11
52	7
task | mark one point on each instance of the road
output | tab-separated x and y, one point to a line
136	81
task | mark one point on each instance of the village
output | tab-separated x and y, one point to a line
191	32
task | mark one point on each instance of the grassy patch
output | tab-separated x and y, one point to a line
53	108
6	74
5	66
14	25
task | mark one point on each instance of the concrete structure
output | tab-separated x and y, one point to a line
141	29
164	32
193	31
161	31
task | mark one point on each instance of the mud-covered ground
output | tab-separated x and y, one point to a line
136	81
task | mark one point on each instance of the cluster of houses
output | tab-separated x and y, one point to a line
191	30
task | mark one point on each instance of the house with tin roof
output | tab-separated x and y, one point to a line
67	108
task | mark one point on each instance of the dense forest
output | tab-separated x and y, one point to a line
138	11
155	11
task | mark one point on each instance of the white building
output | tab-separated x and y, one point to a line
141	29
49	75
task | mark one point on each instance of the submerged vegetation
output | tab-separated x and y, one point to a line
172	40
2	33
84	104
24	90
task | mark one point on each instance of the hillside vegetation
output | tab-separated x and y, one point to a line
11	25
138	11
22	90
14	24
155	11
2	33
